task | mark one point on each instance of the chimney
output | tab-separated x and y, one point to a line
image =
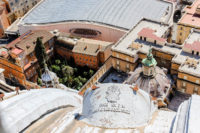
85	47
198	10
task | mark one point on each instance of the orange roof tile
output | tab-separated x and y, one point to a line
190	17
16	51
194	46
29	64
149	33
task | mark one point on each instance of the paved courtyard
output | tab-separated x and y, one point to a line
177	100
113	76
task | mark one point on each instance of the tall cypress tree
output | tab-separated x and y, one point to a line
40	53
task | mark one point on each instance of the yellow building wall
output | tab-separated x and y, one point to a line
188	87
174	68
64	52
107	65
162	55
182	33
190	78
12	70
142	56
122	56
83	60
122	65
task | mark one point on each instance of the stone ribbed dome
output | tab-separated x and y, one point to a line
157	86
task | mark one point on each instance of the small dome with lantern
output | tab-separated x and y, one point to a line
151	78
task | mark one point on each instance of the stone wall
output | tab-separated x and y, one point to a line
107	65
108	33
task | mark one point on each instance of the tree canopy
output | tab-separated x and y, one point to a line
40	52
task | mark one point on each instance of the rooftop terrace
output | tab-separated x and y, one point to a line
125	43
190	17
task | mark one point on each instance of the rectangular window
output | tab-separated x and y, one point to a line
117	62
179	40
196	88
183	84
127	65
117	55
117	67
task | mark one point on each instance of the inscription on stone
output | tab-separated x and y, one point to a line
112	105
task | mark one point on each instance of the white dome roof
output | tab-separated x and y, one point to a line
48	76
18	112
116	106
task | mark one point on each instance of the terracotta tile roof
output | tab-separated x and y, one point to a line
27	41
194	46
149	33
90	47
16	51
190	17
3	51
29	64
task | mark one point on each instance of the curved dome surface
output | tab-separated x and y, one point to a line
119	13
158	86
116	106
18	112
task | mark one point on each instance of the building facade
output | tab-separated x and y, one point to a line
18	8
186	65
182	63
189	20
83	51
4	22
19	60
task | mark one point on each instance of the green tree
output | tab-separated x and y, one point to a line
79	86
40	52
85	74
69	82
91	72
77	83
75	70
39	81
65	79
55	68
67	70
82	80
60	81
57	62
